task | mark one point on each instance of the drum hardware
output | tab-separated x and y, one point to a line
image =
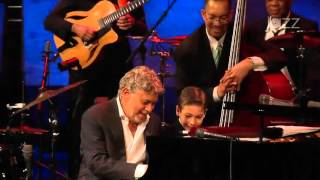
46	95
303	92
12	165
158	49
53	121
306	39
46	58
150	32
23	136
152	36
299	40
164	53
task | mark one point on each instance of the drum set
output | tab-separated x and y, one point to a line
16	141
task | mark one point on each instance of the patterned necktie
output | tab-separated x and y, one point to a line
216	54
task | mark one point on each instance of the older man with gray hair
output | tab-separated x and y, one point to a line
113	133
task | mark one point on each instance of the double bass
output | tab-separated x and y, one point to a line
255	84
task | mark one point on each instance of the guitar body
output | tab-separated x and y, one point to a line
88	53
257	83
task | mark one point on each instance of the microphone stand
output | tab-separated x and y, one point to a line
52	119
46	59
162	74
141	46
302	92
303	98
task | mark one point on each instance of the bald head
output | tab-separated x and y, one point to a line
228	2
216	15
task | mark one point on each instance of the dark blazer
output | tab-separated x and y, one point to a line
173	129
195	66
103	144
254	37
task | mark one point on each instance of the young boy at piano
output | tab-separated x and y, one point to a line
190	110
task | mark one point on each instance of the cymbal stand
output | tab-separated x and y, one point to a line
52	119
303	92
26	149
54	133
46	59
163	73
149	33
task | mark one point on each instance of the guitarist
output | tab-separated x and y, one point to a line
104	73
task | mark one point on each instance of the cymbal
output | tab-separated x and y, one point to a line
48	94
24	129
175	40
307	39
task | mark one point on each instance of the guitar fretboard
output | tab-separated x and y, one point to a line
106	21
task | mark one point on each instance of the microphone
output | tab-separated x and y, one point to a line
202	133
47	47
269	100
313	104
64	65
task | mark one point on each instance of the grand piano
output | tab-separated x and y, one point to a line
203	158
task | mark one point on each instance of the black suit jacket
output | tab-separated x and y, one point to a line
103	144
254	37
195	66
173	129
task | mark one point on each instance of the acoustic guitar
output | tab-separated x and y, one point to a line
100	17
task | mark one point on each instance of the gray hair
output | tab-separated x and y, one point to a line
141	78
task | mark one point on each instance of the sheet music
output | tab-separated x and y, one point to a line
295	130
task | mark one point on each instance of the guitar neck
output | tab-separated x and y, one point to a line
106	21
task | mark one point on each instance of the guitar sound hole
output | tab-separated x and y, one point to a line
77	17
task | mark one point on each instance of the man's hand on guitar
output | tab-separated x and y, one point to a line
84	32
126	22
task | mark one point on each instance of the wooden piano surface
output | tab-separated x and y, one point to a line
195	158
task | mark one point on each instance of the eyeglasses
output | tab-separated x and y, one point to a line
220	19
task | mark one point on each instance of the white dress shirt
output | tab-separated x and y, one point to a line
135	144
